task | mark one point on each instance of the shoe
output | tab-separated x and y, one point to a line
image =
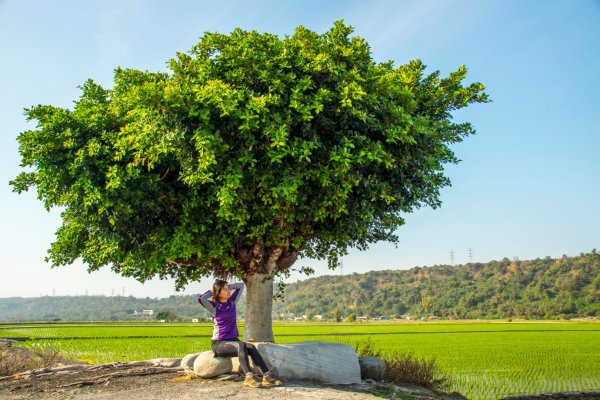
251	382
267	382
270	379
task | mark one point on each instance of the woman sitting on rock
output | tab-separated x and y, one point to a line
220	303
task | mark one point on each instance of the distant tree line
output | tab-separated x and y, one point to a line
547	288
101	308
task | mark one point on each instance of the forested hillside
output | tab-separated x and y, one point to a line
96	308
543	288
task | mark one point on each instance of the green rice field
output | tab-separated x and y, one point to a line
486	360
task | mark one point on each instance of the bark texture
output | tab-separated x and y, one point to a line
260	265
259	305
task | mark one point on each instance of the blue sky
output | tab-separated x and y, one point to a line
527	186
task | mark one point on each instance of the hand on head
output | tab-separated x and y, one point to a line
221	291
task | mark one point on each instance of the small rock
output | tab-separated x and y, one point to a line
206	365
371	367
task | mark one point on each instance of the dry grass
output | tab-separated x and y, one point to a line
19	359
407	369
48	354
15	360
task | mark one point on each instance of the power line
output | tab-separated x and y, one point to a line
470	255
451	257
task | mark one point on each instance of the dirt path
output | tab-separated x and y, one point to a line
164	387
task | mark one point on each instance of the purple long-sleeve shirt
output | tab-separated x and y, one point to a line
223	313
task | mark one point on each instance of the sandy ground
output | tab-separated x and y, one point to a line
166	386
163	386
151	380
100	382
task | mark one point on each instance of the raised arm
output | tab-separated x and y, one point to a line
239	288
203	300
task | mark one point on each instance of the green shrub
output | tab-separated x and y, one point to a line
365	348
337	315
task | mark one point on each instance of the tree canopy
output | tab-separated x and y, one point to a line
250	151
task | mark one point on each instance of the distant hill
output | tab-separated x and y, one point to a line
567	287
546	288
95	308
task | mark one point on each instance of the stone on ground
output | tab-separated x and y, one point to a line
371	367
314	361
206	365
187	362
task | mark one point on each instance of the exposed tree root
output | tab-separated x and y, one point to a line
73	369
107	377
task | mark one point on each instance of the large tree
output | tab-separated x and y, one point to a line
252	151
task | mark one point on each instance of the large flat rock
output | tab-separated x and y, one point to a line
316	361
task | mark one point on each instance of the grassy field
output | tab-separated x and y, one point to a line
486	360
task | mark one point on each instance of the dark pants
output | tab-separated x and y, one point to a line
235	347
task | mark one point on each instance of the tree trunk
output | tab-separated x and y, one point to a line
259	305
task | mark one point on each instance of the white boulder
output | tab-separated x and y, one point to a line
315	361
